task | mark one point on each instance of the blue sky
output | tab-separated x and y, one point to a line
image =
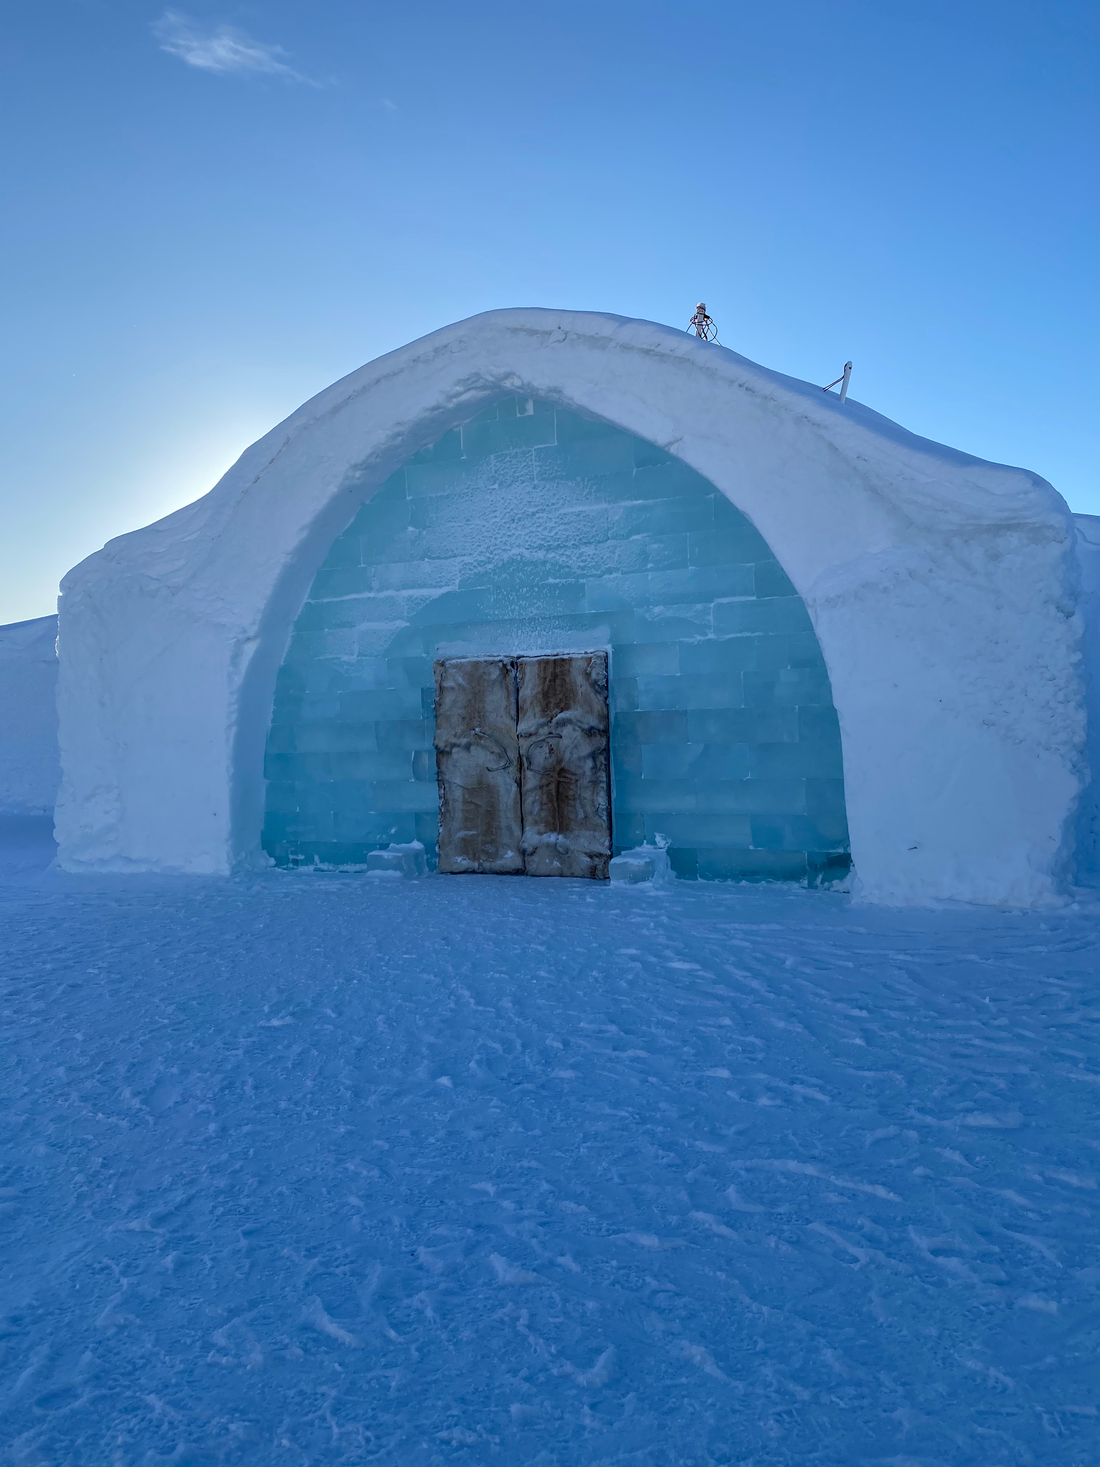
216	210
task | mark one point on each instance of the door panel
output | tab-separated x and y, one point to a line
477	756
565	765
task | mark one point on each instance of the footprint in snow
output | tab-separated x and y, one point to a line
651	1241
508	1273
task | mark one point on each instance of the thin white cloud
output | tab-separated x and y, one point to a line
224	49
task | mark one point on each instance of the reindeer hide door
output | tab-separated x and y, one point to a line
522	750
564	758
477	756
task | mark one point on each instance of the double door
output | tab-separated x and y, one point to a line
522	751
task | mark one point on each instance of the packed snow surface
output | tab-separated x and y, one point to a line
331	1169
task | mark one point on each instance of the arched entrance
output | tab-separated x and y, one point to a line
531	532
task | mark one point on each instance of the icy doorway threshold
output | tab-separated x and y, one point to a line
328	1169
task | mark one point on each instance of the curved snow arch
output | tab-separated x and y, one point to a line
532	529
941	588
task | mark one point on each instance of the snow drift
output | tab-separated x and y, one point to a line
1088	820
30	767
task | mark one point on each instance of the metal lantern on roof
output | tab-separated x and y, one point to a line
702	324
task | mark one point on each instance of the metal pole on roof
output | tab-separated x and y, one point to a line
843	379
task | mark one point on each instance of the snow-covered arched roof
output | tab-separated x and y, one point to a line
941	587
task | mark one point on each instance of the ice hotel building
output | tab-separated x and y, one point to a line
544	585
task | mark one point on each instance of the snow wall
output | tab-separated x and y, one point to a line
30	764
533	530
1088	822
943	591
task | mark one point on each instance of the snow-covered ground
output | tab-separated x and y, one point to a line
344	1169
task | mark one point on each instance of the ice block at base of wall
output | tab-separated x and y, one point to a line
643	863
399	860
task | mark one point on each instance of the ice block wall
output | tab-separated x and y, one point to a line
532	529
